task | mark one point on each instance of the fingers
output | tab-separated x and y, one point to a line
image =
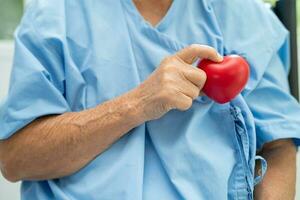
183	102
195	75
191	80
189	89
191	53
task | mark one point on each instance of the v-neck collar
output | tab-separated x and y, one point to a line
156	32
165	19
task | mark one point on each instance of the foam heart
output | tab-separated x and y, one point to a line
225	80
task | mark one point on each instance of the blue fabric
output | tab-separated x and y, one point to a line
74	55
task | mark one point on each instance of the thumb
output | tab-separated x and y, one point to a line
195	51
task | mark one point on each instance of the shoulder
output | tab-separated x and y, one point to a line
247	10
237	3
56	18
44	17
248	14
46	22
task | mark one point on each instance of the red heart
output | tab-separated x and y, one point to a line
225	80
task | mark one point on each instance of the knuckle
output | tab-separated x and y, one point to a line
207	48
166	59
209	51
165	79
166	68
196	93
168	71
212	53
194	47
165	96
169	59
203	76
186	105
166	107
203	79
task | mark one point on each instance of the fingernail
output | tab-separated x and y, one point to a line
220	57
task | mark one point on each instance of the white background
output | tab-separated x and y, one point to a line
10	191
7	191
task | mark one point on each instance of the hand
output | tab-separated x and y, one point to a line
175	83
280	179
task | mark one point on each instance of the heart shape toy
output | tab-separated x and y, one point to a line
225	80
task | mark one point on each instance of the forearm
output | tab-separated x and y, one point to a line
280	179
56	146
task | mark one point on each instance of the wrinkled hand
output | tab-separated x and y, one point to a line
175	83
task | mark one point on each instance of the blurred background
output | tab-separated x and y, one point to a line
10	15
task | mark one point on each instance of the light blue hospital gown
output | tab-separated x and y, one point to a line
71	55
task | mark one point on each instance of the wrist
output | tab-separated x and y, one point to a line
135	105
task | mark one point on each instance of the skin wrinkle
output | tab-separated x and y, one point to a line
280	179
68	126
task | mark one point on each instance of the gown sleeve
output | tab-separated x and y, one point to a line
276	112
37	79
252	30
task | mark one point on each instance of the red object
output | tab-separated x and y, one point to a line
225	80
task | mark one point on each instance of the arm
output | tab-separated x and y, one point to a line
62	144
65	143
281	173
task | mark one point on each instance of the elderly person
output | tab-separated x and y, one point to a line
105	103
